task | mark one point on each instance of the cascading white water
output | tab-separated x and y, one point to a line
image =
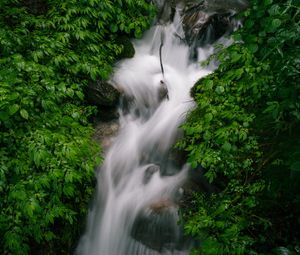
138	184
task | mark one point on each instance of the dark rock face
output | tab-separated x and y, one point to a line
204	28
163	91
156	228
128	49
204	21
235	5
105	131
149	172
101	93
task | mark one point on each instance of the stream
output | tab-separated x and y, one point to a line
135	210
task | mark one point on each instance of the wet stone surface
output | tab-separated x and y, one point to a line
105	132
155	228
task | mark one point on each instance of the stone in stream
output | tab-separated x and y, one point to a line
204	21
163	91
128	50
102	93
156	227
152	169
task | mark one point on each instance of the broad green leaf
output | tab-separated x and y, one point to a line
275	23
220	89
209	84
253	47
226	146
13	109
268	2
24	114
235	57
113	28
80	95
208	117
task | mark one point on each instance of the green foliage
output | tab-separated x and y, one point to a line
49	51
244	132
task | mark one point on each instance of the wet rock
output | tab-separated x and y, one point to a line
196	182
235	5
165	11
149	173
105	132
161	206
202	27
128	48
158	230
163	91
102	93
204	21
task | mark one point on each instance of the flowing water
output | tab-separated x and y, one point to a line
139	184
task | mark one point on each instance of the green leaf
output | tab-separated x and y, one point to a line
209	84
24	114
207	135
208	117
274	10
220	89
226	146
80	95
275	24
13	109
235	57
253	47
70	92
113	28
268	2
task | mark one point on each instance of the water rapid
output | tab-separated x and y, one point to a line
135	211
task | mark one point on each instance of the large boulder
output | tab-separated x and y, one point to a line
128	50
157	228
234	5
207	21
203	21
102	93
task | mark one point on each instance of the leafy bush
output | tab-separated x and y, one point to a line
244	132
49	51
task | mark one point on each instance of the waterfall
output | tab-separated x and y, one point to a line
135	210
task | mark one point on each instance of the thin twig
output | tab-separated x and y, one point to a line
160	51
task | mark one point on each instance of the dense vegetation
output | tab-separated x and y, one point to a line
49	51
245	134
